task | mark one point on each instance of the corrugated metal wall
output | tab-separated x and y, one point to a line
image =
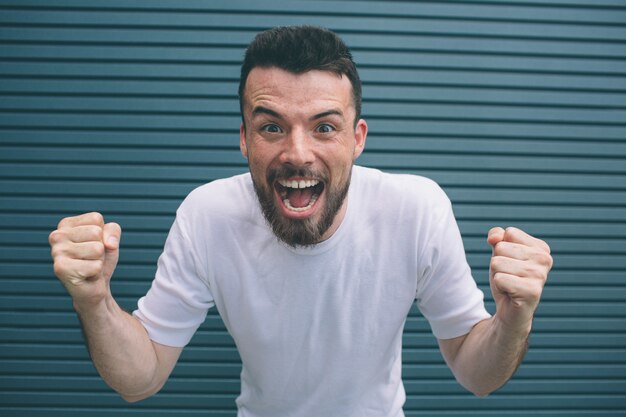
516	108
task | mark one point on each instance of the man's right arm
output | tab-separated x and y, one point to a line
85	251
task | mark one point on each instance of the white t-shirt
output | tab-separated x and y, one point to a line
318	329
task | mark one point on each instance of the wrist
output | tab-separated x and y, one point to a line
95	307
512	330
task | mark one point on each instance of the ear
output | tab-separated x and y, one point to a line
360	134
242	141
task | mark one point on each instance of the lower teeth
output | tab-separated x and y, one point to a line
298	209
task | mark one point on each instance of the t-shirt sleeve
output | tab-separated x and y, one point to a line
179	298
447	294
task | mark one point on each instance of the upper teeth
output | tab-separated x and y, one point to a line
298	184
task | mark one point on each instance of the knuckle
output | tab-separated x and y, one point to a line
61	267
93	232
95	218
535	251
56	266
58	237
534	292
63	222
91	250
56	251
543	258
532	270
537	271
498	276
510	232
495	263
98	249
54	237
503	248
98	265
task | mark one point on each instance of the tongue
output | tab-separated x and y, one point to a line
300	197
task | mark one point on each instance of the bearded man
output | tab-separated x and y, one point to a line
312	262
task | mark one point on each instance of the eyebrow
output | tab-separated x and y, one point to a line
264	110
327	113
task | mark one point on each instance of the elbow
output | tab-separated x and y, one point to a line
481	393
481	390
136	397
139	390
133	398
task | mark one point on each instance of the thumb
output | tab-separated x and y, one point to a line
495	235
112	233
111	237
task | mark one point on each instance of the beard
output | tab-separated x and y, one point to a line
299	232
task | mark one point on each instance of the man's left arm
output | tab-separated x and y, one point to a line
484	359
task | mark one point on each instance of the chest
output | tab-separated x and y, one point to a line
350	295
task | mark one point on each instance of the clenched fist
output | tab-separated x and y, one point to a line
518	272
85	251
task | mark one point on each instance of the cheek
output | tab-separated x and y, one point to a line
341	166
260	152
258	167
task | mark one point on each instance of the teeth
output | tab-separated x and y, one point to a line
298	184
298	209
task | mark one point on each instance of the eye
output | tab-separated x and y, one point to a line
271	128
325	128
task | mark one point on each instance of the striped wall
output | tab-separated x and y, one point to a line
517	108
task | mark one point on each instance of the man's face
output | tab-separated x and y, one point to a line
300	141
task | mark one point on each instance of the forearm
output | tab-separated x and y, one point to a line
85	252
489	355
120	349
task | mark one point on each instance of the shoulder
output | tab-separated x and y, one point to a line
226	197
398	189
231	187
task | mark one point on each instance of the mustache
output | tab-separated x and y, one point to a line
287	171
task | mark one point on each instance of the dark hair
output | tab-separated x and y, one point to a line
299	49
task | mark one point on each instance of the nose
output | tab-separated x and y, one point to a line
297	150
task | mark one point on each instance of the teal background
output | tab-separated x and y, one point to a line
517	108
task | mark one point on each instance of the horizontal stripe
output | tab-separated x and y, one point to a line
517	109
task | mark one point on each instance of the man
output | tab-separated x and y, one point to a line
312	263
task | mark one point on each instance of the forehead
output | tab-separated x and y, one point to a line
310	91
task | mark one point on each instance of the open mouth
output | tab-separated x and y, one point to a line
299	195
